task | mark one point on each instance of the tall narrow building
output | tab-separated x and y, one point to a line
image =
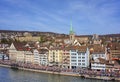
71	34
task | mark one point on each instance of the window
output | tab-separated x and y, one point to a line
96	55
102	55
83	57
79	53
79	60
73	50
83	60
83	54
75	63
73	57
79	63
73	54
73	60
56	60
83	63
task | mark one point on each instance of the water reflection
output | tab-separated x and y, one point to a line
9	75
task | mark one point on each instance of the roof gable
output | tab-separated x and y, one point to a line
12	46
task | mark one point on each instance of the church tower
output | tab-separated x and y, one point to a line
71	34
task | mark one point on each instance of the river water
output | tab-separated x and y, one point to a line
10	75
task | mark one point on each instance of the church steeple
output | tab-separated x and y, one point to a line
71	34
71	28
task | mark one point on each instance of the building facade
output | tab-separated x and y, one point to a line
41	57
66	58
55	56
79	57
99	58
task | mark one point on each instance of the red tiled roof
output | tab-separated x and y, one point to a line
61	37
114	46
42	51
79	48
20	46
96	48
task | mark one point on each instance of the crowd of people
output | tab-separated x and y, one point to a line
81	71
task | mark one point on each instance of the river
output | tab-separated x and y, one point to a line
10	75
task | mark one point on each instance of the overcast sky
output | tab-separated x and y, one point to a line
87	16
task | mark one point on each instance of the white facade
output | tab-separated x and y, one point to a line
43	59
40	58
79	58
97	64
99	55
5	56
36	57
1	56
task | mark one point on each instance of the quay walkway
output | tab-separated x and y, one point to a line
60	71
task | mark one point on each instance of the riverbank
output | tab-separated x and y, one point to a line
85	76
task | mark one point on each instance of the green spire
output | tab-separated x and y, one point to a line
71	28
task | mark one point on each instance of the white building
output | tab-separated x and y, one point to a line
36	57
41	57
79	57
3	56
99	64
99	58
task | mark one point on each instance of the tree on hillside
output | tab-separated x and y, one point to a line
4	40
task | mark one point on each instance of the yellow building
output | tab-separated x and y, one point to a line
55	56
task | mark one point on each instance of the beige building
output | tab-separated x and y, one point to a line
20	53
82	39
28	37
29	57
115	54
114	50
12	52
96	39
66	58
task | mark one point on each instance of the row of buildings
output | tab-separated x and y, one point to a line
70	57
69	52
